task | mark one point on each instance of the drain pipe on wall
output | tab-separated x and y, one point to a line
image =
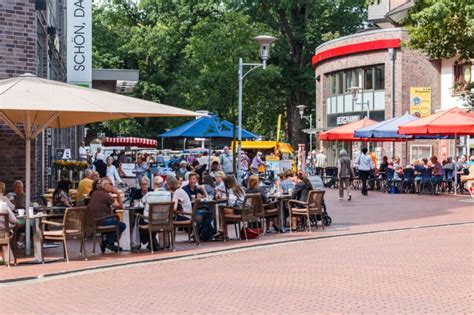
392	56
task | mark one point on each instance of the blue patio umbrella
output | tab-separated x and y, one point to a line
206	127
387	129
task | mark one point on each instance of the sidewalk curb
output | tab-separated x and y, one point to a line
51	276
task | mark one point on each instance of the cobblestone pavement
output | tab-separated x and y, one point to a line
375	212
427	270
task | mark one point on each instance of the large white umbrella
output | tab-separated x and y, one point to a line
38	103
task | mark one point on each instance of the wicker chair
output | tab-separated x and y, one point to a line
271	210
313	206
104	229
251	211
190	224
160	219
72	226
6	236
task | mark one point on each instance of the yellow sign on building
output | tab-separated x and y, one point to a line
420	101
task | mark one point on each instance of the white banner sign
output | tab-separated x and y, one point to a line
79	42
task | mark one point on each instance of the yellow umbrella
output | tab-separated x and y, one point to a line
39	103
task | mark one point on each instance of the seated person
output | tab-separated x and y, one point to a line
287	181
437	170
85	185
220	187
19	196
155	196
215	168
61	195
209	186
193	190
382	171
181	199
254	187
7	207
301	192
101	204
419	168
138	194
235	193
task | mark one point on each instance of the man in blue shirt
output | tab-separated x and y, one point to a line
365	165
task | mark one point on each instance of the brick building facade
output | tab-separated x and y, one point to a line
367	60
32	41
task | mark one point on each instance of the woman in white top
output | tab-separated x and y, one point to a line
235	193
112	172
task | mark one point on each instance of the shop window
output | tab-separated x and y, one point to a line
340	83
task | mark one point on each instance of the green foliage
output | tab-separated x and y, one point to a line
187	54
442	28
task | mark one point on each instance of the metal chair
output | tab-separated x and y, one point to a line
6	236
408	183
159	220
72	226
426	186
313	206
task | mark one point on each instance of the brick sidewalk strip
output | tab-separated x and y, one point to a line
414	271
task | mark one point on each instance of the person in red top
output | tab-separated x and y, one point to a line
100	205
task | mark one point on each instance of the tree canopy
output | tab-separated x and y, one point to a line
442	28
187	54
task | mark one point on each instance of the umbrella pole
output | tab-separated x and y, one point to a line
455	167
28	182
210	150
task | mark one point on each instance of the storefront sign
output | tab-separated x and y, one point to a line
420	101
342	120
79	42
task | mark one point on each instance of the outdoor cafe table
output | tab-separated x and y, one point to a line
282	199
214	204
129	214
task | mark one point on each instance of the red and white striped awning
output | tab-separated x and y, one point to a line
129	142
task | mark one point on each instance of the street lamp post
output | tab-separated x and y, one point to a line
308	118
264	41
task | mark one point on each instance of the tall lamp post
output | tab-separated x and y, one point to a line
264	41
308	118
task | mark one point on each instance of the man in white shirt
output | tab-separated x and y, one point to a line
321	159
365	165
82	152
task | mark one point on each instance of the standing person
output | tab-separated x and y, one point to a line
112	172
82	152
344	174
321	159
437	172
141	167
244	161
100	166
98	155
257	162
227	161
365	166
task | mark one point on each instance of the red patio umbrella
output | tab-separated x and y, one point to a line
346	132
451	122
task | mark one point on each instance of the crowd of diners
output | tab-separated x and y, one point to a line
191	179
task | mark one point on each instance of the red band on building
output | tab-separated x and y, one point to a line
355	48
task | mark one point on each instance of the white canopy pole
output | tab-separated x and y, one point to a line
28	180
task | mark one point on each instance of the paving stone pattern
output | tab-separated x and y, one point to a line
418	271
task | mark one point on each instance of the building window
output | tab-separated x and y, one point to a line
368	79
420	151
379	77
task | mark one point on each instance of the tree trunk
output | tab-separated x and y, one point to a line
295	123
